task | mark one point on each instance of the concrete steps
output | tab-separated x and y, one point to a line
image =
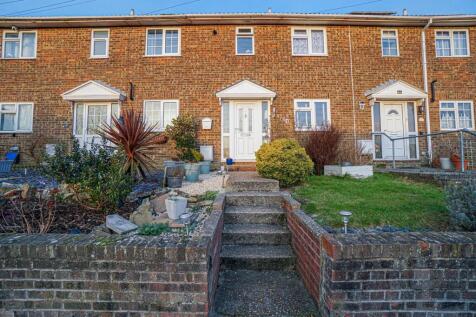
254	199
241	182
255	234
257	215
258	257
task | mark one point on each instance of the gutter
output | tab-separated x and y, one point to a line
425	86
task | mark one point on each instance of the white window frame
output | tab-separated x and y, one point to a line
93	40
15	122
451	38
179	45
86	104
382	37
20	38
245	35
456	102
312	109
160	127
309	40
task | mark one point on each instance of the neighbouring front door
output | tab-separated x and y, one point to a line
393	126
248	130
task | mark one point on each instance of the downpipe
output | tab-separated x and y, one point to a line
425	85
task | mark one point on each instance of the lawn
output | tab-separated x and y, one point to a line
376	201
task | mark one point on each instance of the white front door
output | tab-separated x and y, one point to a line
247	130
393	126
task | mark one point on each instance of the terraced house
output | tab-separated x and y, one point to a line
256	76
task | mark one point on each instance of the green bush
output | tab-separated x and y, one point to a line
461	202
183	131
153	229
284	160
96	175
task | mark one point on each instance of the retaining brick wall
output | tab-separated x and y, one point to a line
84	275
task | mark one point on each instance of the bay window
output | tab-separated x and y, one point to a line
309	41
456	115
160	113
19	45
311	114
16	117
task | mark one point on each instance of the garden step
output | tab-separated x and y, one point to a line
256	215
255	234
262	293
246	181
257	257
254	198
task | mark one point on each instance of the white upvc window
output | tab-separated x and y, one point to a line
163	41
309	41
16	117
100	43
160	113
245	44
311	114
390	43
450	43
19	45
456	115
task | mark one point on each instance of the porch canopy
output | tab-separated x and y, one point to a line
94	90
246	89
395	90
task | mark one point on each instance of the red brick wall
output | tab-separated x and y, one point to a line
208	63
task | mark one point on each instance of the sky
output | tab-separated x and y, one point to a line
123	7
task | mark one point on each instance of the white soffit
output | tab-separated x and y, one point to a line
395	90
246	89
94	90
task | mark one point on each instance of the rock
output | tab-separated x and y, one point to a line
158	203
101	231
25	191
8	185
205	203
144	214
192	199
119	224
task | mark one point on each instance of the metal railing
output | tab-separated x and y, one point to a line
461	133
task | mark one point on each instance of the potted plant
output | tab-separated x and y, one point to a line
445	149
175	206
456	160
174	177
192	167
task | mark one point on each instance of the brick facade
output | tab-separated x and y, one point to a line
208	63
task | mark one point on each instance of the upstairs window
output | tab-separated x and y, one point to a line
311	114
306	41
244	41
389	43
160	113
162	42
456	115
452	43
100	44
16	117
19	44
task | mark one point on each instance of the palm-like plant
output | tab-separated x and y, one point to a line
136	139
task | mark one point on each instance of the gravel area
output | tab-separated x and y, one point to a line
207	182
30	176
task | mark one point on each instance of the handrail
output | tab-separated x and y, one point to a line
461	139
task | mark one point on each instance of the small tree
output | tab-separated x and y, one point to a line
322	146
183	131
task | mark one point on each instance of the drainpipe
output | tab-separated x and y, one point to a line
425	85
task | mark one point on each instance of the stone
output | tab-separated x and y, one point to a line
205	203
158	203
101	231
192	199
119	224
25	190
145	214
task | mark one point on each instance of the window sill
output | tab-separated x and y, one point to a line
15	132
18	58
98	57
244	54
311	55
391	56
163	55
454	56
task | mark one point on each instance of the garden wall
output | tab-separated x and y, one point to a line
386	274
109	276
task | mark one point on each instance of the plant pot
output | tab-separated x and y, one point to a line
346	164
181	165
175	207
174	181
445	163
457	165
169	167
192	171
205	167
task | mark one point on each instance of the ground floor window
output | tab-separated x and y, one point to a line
311	114
456	115
88	117
160	113
16	117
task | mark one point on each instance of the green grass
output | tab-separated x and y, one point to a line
379	200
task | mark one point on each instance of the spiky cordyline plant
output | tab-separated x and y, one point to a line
137	139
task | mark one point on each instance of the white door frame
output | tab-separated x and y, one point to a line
232	125
406	132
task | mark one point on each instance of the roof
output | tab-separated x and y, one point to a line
238	18
94	90
246	89
394	90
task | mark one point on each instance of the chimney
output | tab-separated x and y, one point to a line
405	12
132	12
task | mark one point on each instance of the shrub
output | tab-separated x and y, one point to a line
284	160
153	229
349	151
461	202
183	132
137	140
96	175
322	146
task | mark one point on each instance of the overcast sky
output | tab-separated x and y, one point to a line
122	7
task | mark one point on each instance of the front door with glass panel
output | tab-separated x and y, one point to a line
393	126
247	130
89	117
